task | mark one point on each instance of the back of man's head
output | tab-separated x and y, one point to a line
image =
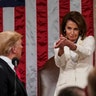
7	41
72	91
92	82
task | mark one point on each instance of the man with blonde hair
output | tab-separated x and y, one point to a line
10	47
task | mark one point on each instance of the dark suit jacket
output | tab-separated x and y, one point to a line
7	81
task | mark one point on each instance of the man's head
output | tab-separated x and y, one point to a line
11	44
72	91
92	82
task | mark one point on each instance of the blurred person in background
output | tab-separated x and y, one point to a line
72	91
91	89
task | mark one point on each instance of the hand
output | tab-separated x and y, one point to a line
61	42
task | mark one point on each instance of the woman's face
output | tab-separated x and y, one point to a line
72	31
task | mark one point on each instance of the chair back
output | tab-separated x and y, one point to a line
47	78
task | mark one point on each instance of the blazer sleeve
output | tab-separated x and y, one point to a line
59	60
86	48
3	81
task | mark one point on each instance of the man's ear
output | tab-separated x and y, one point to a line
13	49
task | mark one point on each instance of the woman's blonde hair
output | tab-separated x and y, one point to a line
8	40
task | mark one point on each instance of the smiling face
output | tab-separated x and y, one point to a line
72	31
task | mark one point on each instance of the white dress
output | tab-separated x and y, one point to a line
75	65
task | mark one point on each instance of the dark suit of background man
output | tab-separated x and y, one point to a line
10	47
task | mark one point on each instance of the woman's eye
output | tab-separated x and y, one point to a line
76	29
69	28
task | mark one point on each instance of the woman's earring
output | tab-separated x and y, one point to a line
64	33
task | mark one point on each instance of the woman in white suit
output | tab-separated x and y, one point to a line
73	52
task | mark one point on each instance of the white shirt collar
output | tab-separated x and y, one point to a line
9	61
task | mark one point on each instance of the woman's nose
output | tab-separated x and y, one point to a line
72	31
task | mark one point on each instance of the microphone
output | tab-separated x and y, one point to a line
15	61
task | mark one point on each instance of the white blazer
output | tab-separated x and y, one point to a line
75	65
